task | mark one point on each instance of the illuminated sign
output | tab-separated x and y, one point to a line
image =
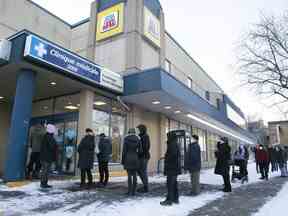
66	62
110	22
152	28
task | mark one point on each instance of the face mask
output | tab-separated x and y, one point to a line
260	148
193	140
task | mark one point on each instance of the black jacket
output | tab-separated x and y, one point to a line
145	149
130	154
48	148
105	149
279	156
86	150
223	155
193	158
172	163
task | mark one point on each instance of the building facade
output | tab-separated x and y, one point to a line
278	132
114	70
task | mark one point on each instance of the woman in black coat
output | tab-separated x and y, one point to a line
86	150
172	168
130	159
223	156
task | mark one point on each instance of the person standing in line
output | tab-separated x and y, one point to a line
281	160
223	156
47	154
193	164
172	168
263	161
130	159
104	156
144	157
36	137
86	151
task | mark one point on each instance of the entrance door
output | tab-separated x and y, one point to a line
66	139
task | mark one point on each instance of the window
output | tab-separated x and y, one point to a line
218	103
189	82
168	66
207	95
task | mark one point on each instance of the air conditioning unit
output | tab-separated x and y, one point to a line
5	51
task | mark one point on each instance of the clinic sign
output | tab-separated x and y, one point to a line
110	22
152	28
50	54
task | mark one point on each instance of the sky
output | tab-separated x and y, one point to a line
210	31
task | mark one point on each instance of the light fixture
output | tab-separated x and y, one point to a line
78	105
1	97
71	107
53	83
156	102
69	103
99	103
189	115
177	111
45	107
167	107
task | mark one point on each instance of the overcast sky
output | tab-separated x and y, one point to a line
209	30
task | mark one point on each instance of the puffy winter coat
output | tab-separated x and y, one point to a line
105	149
223	155
172	163
130	154
193	158
262	155
86	150
48	148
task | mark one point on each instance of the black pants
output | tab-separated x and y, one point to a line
34	160
83	176
104	172
264	169
132	181
227	183
142	172
172	187
243	168
45	173
67	165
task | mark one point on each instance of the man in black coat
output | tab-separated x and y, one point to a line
130	159
86	151
193	164
104	155
223	155
144	157
172	168
47	154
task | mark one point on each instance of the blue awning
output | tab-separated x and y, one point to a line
157	85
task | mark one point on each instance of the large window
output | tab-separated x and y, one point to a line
110	118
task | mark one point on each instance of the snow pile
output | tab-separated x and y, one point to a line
277	206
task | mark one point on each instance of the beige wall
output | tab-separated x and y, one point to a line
79	39
5	112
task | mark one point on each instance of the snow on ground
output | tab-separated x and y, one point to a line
277	205
141	205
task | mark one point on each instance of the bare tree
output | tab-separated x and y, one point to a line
264	58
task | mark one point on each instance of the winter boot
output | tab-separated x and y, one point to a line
166	203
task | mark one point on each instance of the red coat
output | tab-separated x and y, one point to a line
262	155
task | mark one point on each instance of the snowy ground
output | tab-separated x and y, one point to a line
277	205
65	198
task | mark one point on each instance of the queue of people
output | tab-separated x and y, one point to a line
275	157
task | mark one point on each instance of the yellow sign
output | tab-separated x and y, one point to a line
152	27
110	22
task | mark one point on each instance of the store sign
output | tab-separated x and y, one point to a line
110	22
152	28
53	55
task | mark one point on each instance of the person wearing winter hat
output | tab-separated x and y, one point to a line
47	154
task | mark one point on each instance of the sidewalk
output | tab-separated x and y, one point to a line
66	199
